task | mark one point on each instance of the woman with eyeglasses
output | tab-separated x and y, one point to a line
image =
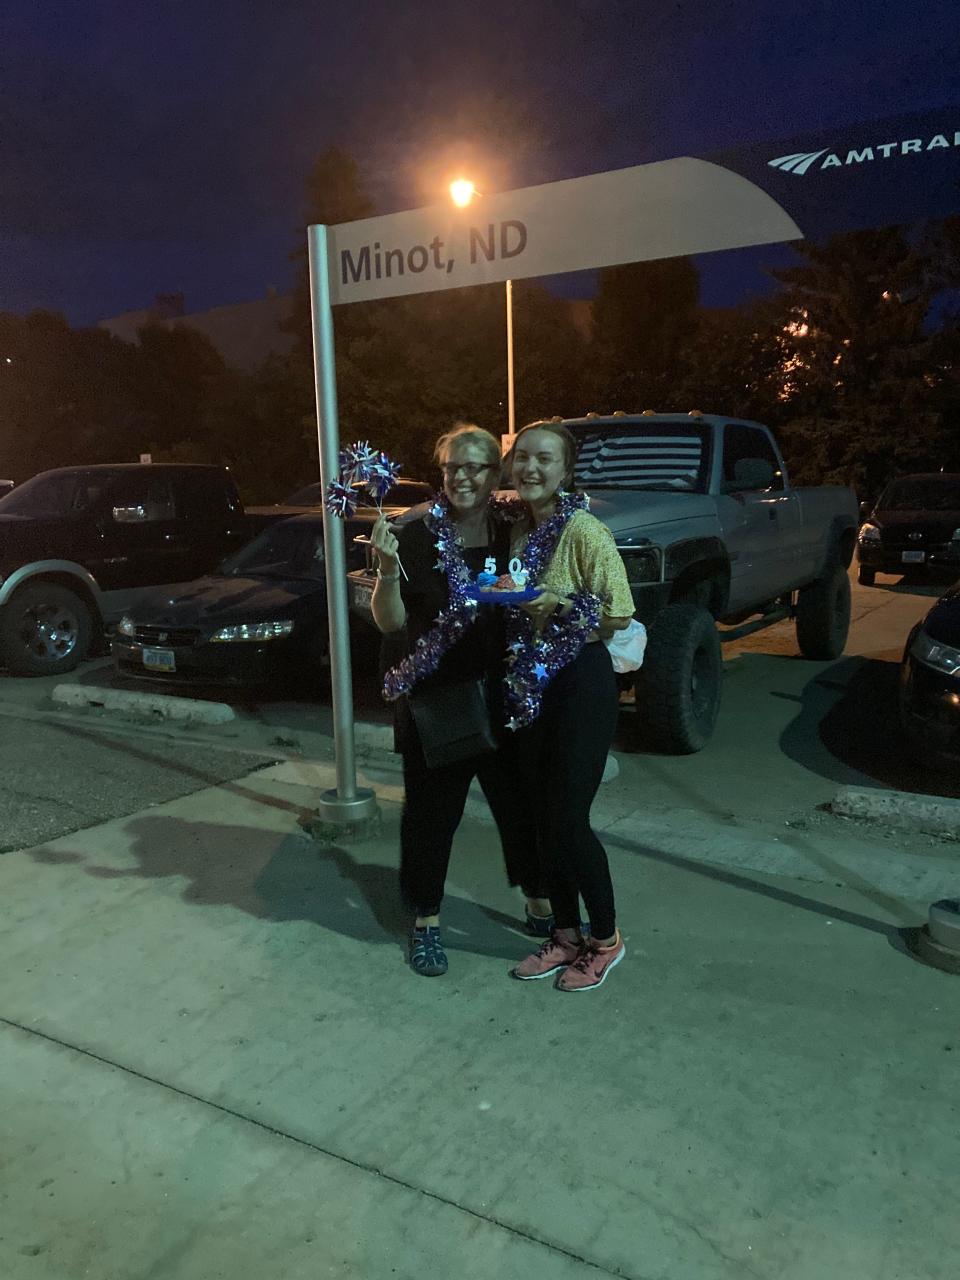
450	646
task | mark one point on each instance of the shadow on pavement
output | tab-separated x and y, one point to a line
897	935
847	730
289	878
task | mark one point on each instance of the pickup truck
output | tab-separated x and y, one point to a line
78	545
711	532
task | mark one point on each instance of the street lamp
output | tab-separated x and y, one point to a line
462	192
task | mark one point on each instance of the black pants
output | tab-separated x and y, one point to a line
433	808
559	764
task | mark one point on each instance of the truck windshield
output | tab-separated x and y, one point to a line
56	494
667	456
919	493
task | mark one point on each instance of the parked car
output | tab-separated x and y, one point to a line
710	530
77	544
405	493
929	698
915	522
260	617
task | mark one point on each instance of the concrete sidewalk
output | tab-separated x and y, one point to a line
215	1063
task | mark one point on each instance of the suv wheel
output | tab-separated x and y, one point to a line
44	630
678	686
823	615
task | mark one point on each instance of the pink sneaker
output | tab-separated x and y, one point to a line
556	953
592	966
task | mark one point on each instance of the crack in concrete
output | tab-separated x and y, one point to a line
361	1165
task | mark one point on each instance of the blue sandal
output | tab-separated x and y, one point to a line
543	926
427	956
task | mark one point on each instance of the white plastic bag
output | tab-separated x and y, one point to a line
627	646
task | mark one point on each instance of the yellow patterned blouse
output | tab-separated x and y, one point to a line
586	559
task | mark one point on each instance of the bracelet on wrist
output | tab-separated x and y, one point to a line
388	577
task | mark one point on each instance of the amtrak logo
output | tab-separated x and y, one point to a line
801	162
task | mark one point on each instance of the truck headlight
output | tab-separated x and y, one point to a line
643	563
869	533
126	626
942	657
253	631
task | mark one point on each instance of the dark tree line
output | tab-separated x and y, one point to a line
854	360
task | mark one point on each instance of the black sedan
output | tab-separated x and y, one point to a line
930	684
261	617
915	524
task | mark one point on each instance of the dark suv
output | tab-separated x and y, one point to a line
79	544
914	524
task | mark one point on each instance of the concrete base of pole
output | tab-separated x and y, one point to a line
938	942
340	821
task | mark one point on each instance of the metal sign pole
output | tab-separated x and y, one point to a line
511	414
348	803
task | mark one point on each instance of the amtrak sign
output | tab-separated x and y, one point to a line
800	162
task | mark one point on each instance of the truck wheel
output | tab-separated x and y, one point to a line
866	577
44	630
678	686
823	615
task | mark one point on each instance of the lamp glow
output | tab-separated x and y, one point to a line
462	192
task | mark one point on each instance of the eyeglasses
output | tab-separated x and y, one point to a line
470	469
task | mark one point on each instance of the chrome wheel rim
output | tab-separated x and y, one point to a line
49	632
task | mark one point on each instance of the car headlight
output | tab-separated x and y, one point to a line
126	626
869	533
942	657
254	631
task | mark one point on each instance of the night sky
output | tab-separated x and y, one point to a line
151	147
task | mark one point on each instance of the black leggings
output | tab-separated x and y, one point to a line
560	760
433	808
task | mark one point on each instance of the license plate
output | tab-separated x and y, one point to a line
160	659
361	597
913	557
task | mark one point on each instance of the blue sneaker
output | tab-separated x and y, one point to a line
427	956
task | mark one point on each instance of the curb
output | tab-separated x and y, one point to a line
933	815
154	706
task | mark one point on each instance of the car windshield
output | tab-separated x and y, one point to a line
665	456
308	496
287	550
926	493
56	493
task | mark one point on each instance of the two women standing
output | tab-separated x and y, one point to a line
552	695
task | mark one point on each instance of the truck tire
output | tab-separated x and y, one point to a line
678	686
823	615
44	630
866	577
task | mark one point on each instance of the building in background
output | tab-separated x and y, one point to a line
244	333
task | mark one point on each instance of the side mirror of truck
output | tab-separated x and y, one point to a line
130	515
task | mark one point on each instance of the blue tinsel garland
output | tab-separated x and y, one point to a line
533	659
